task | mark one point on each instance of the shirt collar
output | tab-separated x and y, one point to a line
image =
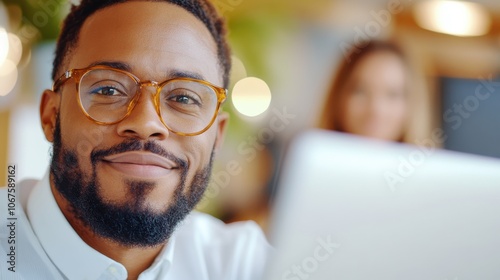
70	254
161	266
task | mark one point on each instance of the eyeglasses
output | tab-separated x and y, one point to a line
107	95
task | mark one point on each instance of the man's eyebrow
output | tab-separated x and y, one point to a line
184	74
172	74
114	64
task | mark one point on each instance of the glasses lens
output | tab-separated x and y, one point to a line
187	106
106	94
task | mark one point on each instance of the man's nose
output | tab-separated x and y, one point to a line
143	121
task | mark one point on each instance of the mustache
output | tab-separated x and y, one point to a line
132	145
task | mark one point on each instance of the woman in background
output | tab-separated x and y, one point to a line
377	94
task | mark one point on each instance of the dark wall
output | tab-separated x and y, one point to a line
471	115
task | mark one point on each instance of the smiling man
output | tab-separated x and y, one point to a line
145	80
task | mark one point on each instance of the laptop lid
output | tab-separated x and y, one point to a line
352	208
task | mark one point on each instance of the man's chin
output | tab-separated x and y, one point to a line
138	222
156	193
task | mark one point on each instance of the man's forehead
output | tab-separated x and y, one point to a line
160	36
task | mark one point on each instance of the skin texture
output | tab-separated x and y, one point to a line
156	40
375	97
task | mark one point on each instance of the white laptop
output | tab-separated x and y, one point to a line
350	208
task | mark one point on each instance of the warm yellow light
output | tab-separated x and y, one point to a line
8	77
459	18
4	45
251	96
15	48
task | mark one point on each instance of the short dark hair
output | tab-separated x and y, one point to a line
202	9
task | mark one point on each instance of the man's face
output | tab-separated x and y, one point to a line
136	168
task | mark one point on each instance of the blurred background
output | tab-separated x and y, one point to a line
285	54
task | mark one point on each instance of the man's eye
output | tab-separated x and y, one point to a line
183	97
107	91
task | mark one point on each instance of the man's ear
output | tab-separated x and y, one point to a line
49	106
222	121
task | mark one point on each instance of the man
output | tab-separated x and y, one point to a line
144	80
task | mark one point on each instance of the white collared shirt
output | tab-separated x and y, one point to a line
47	247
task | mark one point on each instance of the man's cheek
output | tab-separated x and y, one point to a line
88	139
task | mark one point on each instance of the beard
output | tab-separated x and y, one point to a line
132	223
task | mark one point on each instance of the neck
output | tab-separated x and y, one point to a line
135	259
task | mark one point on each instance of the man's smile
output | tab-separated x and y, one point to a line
141	164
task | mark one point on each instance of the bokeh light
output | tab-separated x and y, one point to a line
8	77
4	45
15	49
459	18
251	96
11	51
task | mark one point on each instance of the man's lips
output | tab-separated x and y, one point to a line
141	164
